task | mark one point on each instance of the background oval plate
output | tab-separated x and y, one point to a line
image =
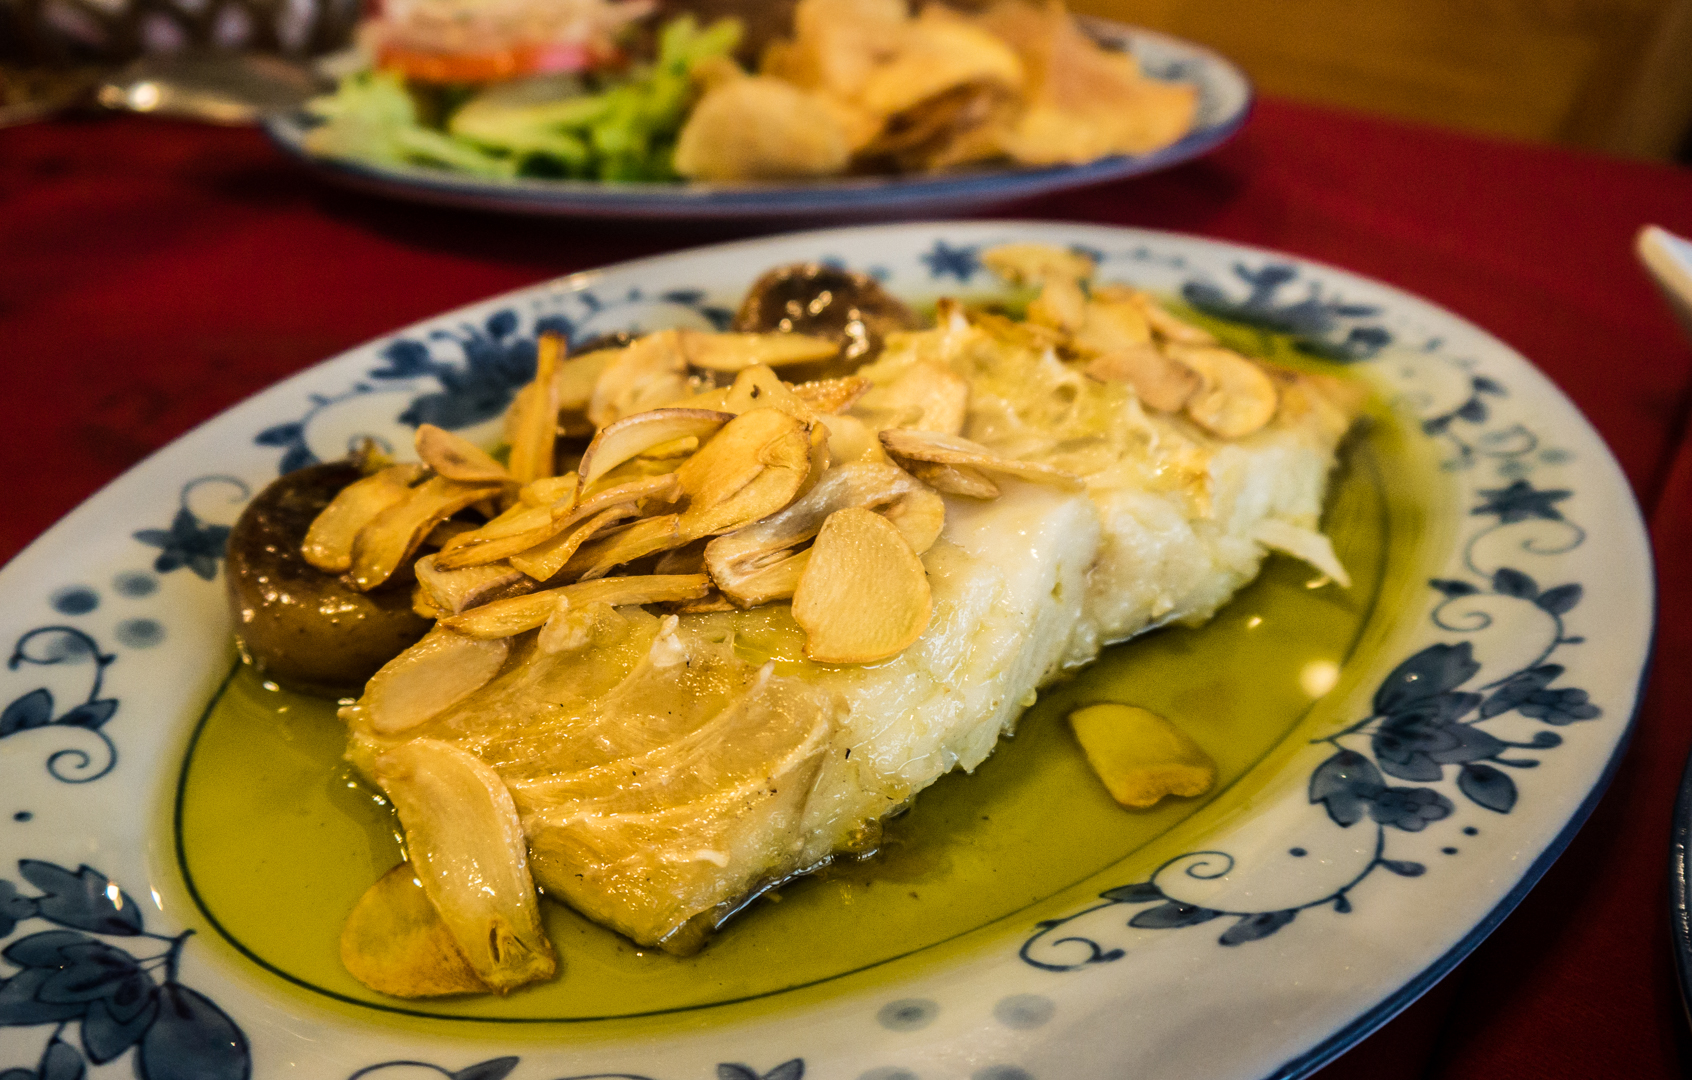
1224	101
1231	960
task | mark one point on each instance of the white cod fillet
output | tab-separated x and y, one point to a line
681	765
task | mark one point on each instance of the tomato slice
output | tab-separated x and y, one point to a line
494	65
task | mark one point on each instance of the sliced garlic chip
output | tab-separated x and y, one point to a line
550	523
504	618
395	942
544	561
549	491
1140	756
1061	305
457	458
632	436
731	459
765	578
942	449
1164	325
466	844
427	679
452	591
1306	544
1111	324
1159	382
329	542
385	543
742	563
753	467
534	416
955	480
1036	264
649	536
759	387
830	397
927	396
920	517
734	352
650	373
864	595
1237	397
572	384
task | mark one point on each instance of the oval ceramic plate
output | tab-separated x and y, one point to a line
1434	768
1224	101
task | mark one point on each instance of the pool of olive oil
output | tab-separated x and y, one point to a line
277	838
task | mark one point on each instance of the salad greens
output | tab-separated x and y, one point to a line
623	128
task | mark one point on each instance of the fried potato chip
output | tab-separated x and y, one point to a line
761	128
1085	101
938	52
838	44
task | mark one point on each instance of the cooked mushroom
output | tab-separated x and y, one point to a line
826	301
299	625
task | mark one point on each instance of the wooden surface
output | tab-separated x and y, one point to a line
1613	75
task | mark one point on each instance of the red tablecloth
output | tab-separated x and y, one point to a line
152	274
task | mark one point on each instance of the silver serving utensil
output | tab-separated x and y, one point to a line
216	87
1669	258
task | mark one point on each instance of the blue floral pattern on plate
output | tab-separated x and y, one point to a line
118	1002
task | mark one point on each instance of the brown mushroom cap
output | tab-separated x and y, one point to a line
294	623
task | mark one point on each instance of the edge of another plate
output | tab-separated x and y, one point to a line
1225	104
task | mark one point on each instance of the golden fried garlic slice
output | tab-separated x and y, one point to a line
1237	397
466	844
394	534
534	417
519	614
864	595
1037	264
736	352
632	436
1140	756
756	564
457	458
395	942
428	678
649	373
1159	382
452	591
942	449
749	470
329	542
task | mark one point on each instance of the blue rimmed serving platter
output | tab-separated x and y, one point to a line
1225	97
1425	792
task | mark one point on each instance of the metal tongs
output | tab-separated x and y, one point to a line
215	87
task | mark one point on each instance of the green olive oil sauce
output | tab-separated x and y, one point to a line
277	838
